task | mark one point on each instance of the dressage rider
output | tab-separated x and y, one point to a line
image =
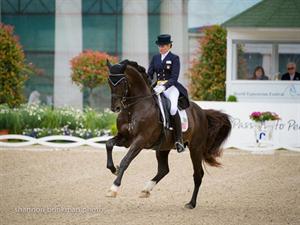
167	66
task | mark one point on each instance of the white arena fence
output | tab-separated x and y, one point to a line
51	141
64	141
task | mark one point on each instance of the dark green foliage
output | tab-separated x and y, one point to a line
12	67
208	72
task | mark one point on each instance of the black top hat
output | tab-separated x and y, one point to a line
163	39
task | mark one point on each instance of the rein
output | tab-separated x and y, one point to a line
115	79
138	99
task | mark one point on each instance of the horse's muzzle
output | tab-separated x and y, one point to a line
116	109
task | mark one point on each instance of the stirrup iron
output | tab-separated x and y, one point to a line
179	147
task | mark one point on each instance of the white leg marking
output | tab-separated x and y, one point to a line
149	186
114	188
112	192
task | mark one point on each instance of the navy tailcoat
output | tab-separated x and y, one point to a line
168	69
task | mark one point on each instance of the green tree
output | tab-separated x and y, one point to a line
12	67
209	68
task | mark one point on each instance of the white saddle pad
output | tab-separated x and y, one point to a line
182	114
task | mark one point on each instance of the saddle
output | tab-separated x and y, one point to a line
164	105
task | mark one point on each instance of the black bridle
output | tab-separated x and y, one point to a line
115	80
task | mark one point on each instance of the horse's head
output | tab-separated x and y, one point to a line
118	85
127	80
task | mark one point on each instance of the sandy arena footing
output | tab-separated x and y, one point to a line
69	186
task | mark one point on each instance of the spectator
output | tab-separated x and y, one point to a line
259	74
291	74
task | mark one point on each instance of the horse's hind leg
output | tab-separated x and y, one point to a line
162	170
198	174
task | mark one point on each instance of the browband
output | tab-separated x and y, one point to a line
115	79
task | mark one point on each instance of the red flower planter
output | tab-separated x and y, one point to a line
4	132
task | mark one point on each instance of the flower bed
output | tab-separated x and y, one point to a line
41	121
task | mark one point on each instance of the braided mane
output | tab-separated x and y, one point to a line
139	68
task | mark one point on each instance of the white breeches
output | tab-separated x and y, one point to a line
172	94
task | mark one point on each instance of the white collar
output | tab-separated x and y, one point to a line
292	76
163	56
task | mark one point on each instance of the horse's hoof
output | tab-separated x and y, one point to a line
111	194
145	194
117	170
189	206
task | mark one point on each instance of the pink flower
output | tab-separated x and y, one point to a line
256	114
264	116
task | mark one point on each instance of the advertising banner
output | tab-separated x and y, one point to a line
285	134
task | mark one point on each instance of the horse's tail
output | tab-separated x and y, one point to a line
219	127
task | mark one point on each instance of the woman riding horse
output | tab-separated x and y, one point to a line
139	127
166	65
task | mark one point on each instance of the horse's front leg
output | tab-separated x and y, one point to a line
109	147
118	140
134	150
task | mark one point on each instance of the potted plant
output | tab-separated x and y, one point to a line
89	70
264	125
4	120
232	98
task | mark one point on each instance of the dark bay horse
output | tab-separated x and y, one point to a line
139	127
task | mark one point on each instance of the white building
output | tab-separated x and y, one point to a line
53	31
267	35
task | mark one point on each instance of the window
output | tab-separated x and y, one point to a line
288	53
34	23
272	57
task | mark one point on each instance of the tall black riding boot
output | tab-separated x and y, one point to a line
176	123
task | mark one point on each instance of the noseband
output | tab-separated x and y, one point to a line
115	80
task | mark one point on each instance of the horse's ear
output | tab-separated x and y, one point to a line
108	63
123	67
